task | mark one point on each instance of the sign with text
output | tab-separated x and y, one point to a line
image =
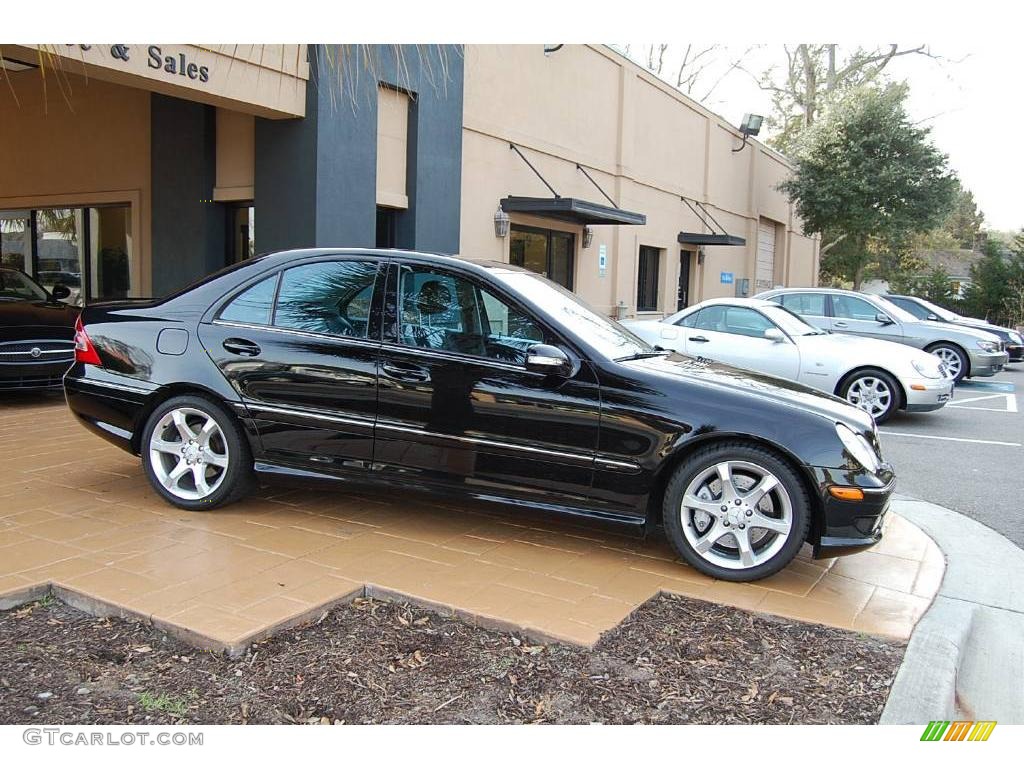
602	260
726	278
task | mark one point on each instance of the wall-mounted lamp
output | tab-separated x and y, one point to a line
501	223
588	237
700	255
751	126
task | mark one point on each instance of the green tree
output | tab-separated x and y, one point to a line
963	224
987	295
867	179
934	285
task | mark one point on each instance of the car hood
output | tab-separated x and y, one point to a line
38	314
866	349
931	327
981	325
752	384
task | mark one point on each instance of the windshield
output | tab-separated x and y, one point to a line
600	332
789	321
893	311
15	286
945	314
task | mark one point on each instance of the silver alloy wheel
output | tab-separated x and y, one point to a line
952	360
871	394
189	453
736	514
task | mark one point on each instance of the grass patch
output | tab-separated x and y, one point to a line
172	705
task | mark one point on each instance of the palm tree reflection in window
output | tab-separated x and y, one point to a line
331	297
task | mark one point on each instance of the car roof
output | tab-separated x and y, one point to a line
737	300
278	258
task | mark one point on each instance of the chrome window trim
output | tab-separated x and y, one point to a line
294	332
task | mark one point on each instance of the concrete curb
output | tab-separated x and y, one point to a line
965	659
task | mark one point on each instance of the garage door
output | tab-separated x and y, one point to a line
765	275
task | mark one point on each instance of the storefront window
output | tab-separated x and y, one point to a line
15	252
647	279
545	251
89	250
60	249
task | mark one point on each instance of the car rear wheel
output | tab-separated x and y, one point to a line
195	455
954	358
873	391
736	512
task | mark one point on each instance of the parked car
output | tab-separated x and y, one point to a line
425	372
923	309
36	333
966	351
877	376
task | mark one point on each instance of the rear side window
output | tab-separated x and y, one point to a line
805	303
331	297
253	305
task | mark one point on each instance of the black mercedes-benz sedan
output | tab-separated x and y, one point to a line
420	371
36	333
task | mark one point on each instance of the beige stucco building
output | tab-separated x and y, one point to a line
131	170
647	146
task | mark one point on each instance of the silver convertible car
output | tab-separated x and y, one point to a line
967	351
878	376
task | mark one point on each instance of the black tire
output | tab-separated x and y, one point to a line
885	380
698	465
949	348
238	477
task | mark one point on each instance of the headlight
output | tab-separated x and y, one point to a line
1015	338
859	448
929	369
989	346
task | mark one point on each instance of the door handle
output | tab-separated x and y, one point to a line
701	339
839	325
405	372
242	347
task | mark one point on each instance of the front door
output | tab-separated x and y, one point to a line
683	295
456	403
301	347
851	314
735	335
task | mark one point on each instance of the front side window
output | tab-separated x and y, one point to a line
852	308
746	322
918	311
443	311
647	279
331	297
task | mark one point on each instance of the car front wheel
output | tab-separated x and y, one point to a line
873	391
736	512
954	358
195	455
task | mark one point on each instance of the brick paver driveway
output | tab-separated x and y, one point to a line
77	516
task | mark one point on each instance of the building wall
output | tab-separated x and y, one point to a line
644	143
315	179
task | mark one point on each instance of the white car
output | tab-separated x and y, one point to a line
878	376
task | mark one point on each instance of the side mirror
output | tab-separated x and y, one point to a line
60	292
933	317
544	358
883	318
774	334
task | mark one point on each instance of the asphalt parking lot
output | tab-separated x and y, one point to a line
969	455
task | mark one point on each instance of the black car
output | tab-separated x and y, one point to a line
433	373
36	333
923	309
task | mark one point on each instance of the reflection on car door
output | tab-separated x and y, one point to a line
851	314
735	335
456	402
301	348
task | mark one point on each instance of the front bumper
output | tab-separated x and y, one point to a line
25	375
847	527
1016	352
987	363
927	394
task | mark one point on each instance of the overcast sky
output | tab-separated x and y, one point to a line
970	98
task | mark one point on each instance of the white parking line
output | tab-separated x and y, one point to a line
951	439
1011	403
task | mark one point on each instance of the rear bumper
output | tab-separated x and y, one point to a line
847	527
987	363
930	395
107	408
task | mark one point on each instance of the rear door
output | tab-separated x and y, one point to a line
457	404
301	349
852	314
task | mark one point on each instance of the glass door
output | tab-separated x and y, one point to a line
549	252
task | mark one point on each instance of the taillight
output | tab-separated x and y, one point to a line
85	352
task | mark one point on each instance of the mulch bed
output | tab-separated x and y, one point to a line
674	660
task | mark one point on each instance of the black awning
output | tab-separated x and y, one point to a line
571	209
699	238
